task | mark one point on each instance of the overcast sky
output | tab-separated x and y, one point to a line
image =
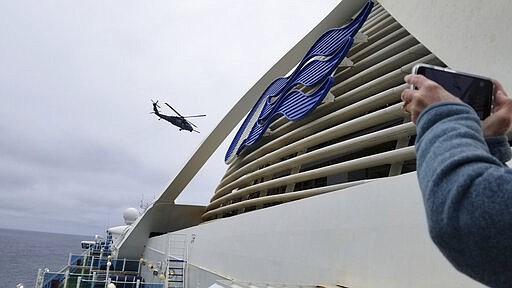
77	142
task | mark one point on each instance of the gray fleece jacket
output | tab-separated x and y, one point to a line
467	191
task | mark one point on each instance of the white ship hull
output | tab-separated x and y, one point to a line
372	235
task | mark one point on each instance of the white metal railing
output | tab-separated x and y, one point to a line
92	270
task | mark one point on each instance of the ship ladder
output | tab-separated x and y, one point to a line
176	261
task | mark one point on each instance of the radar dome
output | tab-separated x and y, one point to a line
130	215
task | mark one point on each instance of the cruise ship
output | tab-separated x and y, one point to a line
320	188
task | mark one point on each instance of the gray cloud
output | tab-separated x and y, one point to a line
77	142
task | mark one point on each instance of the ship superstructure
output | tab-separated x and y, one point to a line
320	188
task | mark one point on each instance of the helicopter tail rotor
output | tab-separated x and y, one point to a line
155	103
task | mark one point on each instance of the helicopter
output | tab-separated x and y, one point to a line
179	120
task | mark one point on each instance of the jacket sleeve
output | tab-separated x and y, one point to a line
467	193
499	148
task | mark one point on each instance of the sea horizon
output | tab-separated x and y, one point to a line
41	231
24	252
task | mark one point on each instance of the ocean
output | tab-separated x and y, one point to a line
22	253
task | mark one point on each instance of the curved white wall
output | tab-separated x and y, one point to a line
372	235
470	35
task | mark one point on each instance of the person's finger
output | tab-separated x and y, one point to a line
407	95
415	80
500	97
404	108
502	102
498	87
414	117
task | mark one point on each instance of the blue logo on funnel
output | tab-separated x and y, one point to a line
284	96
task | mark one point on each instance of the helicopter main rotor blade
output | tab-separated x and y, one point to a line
193	116
191	123
174	110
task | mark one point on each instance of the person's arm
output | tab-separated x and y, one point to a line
467	193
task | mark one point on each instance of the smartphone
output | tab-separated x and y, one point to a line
476	91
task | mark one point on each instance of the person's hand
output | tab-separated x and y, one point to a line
499	122
429	92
